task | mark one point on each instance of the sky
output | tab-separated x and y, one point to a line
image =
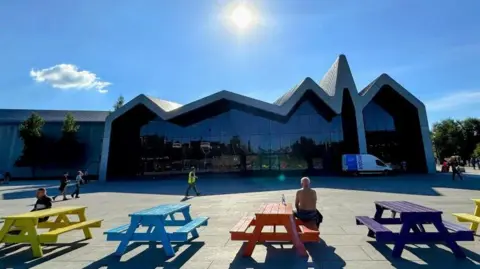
82	55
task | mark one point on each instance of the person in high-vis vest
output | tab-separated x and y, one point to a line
192	178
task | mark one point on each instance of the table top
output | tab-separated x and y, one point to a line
46	212
275	209
406	207
161	210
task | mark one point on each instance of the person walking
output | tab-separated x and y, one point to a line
455	171
192	179
63	187
78	182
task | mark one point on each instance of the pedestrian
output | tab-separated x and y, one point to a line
474	162
43	202
63	187
455	171
7	177
192	178
85	176
78	182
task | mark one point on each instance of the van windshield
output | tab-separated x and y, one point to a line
379	163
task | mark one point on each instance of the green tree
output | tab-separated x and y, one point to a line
69	150
476	152
448	138
70	127
119	103
30	131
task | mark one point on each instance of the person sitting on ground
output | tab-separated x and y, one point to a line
306	204
43	202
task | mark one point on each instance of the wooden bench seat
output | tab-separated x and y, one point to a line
52	236
377	230
117	230
239	231
182	233
462	233
309	235
464	217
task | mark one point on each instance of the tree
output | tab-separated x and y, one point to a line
69	150
476	152
453	137
30	131
119	103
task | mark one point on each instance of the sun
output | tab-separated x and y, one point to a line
242	17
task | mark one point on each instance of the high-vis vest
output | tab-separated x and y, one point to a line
191	178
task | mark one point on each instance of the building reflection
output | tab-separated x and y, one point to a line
237	141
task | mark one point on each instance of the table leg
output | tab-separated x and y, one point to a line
33	239
400	242
291	228
474	226
378	215
6	227
188	218
134	222
257	231
164	238
82	217
449	240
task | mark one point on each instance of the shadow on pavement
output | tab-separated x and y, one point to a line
21	256
152	257
431	255
217	185
284	256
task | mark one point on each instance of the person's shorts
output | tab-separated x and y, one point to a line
62	187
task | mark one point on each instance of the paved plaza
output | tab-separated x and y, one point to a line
228	198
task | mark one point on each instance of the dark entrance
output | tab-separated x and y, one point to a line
125	144
392	129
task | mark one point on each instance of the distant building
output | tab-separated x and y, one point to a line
308	128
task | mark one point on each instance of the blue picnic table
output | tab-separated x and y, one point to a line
413	217
156	219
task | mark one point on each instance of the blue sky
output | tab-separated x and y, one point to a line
183	50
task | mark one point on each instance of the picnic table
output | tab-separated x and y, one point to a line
413	217
474	219
276	214
156	219
27	224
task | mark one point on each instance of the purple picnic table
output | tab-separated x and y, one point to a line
413	217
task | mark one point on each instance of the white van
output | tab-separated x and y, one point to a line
364	164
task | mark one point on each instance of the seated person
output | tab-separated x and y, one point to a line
306	204
43	202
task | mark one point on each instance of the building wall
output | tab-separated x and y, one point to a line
11	148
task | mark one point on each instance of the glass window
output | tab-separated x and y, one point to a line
239	140
377	119
379	163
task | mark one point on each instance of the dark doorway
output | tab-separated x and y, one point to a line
349	124
392	130
125	144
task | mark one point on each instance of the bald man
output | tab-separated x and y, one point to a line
306	204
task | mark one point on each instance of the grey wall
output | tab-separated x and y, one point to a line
11	148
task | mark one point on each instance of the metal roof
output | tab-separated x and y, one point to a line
19	115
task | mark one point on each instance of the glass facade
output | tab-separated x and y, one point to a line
237	141
381	135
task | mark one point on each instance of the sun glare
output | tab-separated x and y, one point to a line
242	17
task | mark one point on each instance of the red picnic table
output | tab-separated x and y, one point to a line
275	214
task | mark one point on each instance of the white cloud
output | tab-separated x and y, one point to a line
68	76
454	101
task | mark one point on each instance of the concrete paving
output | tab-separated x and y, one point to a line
226	199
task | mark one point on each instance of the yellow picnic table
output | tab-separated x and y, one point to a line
474	219
26	225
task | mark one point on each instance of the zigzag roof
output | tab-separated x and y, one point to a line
330	90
